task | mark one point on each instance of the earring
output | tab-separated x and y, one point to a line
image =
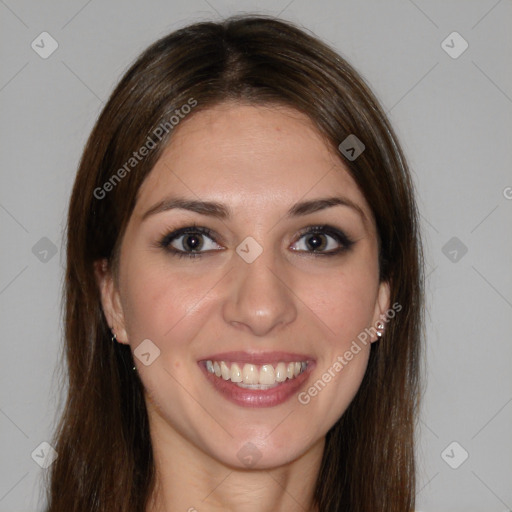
380	329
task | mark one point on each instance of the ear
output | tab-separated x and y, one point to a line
381	306
110	300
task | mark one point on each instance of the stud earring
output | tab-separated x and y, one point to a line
380	329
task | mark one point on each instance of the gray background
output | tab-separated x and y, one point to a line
453	116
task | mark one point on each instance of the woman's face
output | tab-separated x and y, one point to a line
253	291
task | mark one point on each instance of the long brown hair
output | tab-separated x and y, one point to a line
105	460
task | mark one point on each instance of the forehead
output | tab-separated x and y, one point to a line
250	157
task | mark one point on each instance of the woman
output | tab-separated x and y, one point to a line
243	287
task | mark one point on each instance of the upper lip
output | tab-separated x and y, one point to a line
257	357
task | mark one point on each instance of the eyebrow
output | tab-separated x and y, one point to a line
223	212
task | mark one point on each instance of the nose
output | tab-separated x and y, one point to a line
259	298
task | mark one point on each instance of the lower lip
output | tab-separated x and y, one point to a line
258	397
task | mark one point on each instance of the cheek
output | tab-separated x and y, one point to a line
344	306
159	303
344	300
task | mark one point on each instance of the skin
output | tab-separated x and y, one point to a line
259	161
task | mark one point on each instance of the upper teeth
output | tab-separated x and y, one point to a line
252	374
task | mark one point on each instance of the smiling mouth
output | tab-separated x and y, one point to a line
254	376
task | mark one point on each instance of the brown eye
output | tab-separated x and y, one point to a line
189	241
194	242
317	242
323	241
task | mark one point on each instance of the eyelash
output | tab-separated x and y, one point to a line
194	229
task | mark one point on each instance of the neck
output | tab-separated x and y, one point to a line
189	480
